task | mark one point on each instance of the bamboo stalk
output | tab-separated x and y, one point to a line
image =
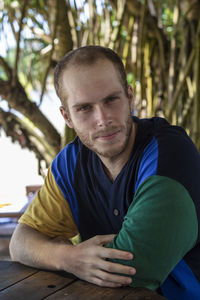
50	54
97	29
188	104
171	76
148	80
161	51
134	42
128	41
181	83
85	37
72	24
107	24
91	21
119	19
140	58
15	69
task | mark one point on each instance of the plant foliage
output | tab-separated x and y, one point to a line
159	42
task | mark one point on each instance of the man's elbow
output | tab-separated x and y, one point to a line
12	251
13	247
16	243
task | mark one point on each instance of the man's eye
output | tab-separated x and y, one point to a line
84	108
111	99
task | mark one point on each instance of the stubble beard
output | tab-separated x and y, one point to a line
113	152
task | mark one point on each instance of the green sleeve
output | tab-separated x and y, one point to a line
159	229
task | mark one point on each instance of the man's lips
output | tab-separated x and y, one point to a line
107	135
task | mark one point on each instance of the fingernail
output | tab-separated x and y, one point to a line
130	256
132	271
128	280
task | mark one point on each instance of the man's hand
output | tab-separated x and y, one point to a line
89	262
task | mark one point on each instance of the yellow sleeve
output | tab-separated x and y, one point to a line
49	212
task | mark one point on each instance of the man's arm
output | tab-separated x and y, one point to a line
35	249
160	228
87	260
42	240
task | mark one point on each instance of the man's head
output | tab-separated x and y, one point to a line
96	99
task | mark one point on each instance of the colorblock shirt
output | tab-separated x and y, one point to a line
153	205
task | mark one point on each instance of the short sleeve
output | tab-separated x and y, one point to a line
49	211
159	229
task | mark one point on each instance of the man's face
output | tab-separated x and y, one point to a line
98	108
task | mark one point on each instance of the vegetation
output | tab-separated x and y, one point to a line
159	42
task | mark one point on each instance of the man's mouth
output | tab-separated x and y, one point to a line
107	135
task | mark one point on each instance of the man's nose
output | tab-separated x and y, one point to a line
102	117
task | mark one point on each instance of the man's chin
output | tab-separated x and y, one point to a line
108	153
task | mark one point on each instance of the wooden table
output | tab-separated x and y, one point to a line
19	282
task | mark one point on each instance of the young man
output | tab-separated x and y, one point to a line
129	187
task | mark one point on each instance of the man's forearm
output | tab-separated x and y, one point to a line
32	248
87	260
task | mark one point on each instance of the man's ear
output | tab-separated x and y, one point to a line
66	117
131	96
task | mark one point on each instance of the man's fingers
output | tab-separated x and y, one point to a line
108	278
103	239
94	265
103	283
117	268
116	254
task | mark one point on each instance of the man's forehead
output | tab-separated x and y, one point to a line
87	66
102	72
85	74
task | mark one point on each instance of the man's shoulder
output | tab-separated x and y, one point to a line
165	133
168	152
154	121
70	149
158	125
67	157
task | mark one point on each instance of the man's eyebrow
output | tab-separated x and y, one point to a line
80	104
113	94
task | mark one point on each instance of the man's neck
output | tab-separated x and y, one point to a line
114	165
